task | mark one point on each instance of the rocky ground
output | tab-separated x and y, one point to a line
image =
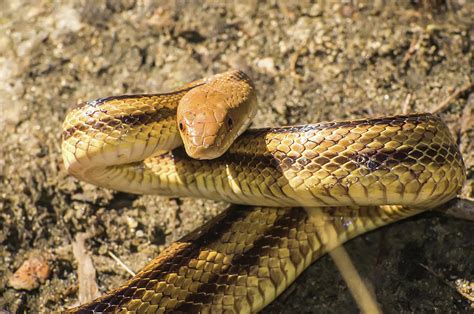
310	62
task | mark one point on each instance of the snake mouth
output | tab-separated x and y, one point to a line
206	147
202	153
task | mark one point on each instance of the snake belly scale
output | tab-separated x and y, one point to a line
302	190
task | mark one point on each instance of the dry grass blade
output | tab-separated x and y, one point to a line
122	264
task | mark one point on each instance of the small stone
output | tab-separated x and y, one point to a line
266	64
131	222
315	10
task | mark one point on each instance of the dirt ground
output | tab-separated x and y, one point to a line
310	62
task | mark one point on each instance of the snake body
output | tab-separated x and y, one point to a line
350	176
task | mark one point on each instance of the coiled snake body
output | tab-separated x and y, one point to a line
350	177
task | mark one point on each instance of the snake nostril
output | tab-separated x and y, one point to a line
181	126
230	123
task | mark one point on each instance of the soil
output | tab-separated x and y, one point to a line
310	62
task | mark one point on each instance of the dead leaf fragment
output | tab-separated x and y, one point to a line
33	272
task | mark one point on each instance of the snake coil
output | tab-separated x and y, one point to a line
302	190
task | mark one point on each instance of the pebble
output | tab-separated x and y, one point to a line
266	64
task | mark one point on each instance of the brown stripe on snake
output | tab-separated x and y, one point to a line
100	101
371	160
242	264
386	159
393	121
165	264
284	233
133	120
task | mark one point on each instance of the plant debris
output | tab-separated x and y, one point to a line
33	272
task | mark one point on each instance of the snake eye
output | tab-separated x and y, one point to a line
230	122
181	126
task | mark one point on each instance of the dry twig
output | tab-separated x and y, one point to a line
88	289
462	286
406	104
294	60
445	103
414	46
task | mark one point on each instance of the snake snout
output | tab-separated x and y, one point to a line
203	132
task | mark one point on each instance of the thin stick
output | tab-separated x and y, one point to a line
444	104
462	286
122	264
359	290
414	46
294	60
461	208
406	103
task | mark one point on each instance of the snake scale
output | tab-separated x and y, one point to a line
301	191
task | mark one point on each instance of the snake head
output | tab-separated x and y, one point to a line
210	117
204	133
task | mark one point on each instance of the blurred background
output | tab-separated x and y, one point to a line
311	61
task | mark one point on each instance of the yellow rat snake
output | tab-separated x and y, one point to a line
301	190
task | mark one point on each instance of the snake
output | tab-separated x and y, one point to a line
296	192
